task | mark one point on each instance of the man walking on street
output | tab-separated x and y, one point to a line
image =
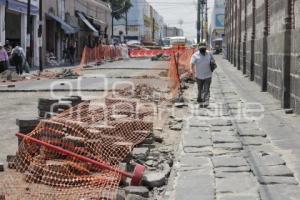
202	70
18	58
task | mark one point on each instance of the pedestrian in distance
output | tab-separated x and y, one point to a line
3	59
71	51
18	58
202	67
8	47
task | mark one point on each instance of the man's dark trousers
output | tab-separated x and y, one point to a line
203	90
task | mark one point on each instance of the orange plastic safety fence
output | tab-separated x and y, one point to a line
103	132
178	65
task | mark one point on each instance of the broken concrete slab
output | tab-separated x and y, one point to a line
228	161
137	190
140	153
154	179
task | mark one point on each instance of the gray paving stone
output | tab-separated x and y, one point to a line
229	146
229	161
233	169
265	160
224	138
222	129
197	132
194	185
205	151
270	180
197	122
279	192
196	142
251	133
221	122
279	170
237	197
224	152
254	140
237	183
194	161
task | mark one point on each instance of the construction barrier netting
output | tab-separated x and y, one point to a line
105	133
178	66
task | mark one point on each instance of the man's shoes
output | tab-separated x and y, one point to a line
203	105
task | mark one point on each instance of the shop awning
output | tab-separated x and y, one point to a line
21	7
68	29
88	24
97	21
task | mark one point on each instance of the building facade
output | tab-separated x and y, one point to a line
78	22
261	38
172	31
216	27
13	25
143	23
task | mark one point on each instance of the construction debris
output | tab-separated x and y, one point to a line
143	92
9	75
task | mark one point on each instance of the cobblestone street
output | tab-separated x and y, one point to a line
226	155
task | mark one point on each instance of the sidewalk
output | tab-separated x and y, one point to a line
226	157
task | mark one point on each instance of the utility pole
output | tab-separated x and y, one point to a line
198	20
206	20
40	35
202	20
126	23
29	32
112	26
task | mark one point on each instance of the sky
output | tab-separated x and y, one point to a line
175	10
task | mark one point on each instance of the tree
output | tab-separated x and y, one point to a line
119	7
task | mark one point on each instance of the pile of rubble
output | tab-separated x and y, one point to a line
9	75
142	92
161	57
62	74
158	160
151	152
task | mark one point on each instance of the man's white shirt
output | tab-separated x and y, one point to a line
202	63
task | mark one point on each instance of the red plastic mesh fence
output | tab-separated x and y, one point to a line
178	65
105	133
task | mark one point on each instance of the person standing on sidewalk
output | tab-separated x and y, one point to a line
18	58
202	70
3	59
